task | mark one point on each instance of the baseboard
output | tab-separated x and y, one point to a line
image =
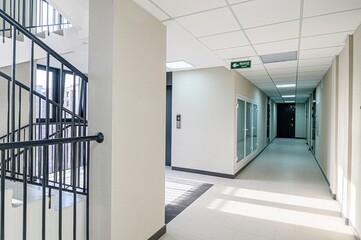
159	233
323	173
333	195
214	174
250	161
355	233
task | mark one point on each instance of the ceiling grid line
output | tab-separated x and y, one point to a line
299	46
240	25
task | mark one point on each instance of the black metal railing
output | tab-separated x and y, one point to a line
26	147
45	139
35	15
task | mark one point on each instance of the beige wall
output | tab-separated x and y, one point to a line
245	88
23	76
205	99
127	57
355	207
343	124
338	144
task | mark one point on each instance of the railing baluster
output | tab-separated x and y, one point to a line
2	234
60	152
13	89
73	159
87	215
25	192
19	133
31	107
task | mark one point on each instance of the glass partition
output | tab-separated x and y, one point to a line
254	129
248	128
240	129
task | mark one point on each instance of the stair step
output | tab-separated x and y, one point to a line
59	32
19	36
41	34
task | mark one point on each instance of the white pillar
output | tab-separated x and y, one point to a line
127	56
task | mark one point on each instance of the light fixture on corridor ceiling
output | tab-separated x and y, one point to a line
286	85
179	65
288	96
279	57
289	101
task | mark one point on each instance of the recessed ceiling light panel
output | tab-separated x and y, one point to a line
286	85
279	57
179	65
288	96
289	101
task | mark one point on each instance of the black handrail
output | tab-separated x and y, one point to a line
99	137
41	44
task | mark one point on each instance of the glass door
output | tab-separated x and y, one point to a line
240	129
248	128
254	129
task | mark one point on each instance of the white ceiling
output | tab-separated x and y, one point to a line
210	33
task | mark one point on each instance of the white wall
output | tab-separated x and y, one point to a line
205	99
355	207
300	124
273	120
22	75
343	125
127	103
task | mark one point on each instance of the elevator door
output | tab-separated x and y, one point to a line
286	120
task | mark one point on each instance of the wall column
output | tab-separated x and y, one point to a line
127	86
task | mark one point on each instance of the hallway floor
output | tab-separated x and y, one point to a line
281	195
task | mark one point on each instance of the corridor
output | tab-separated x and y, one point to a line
282	195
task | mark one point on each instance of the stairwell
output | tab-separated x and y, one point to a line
43	127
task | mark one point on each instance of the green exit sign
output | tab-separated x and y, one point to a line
241	64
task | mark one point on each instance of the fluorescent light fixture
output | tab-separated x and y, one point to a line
179	65
288	96
289	101
279	57
286	85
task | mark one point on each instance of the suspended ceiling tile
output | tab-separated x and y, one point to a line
277	32
152	9
260	73
239	52
282	71
283	76
254	60
279	81
319	7
277	47
237	1
264	78
340	22
317	74
278	65
210	22
321	68
177	8
316	61
328	40
226	40
309	78
320	53
264	12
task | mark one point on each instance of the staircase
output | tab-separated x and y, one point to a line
44	141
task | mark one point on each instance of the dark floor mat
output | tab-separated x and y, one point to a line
194	191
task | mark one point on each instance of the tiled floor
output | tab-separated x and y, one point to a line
281	195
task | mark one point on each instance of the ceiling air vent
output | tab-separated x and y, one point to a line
279	57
